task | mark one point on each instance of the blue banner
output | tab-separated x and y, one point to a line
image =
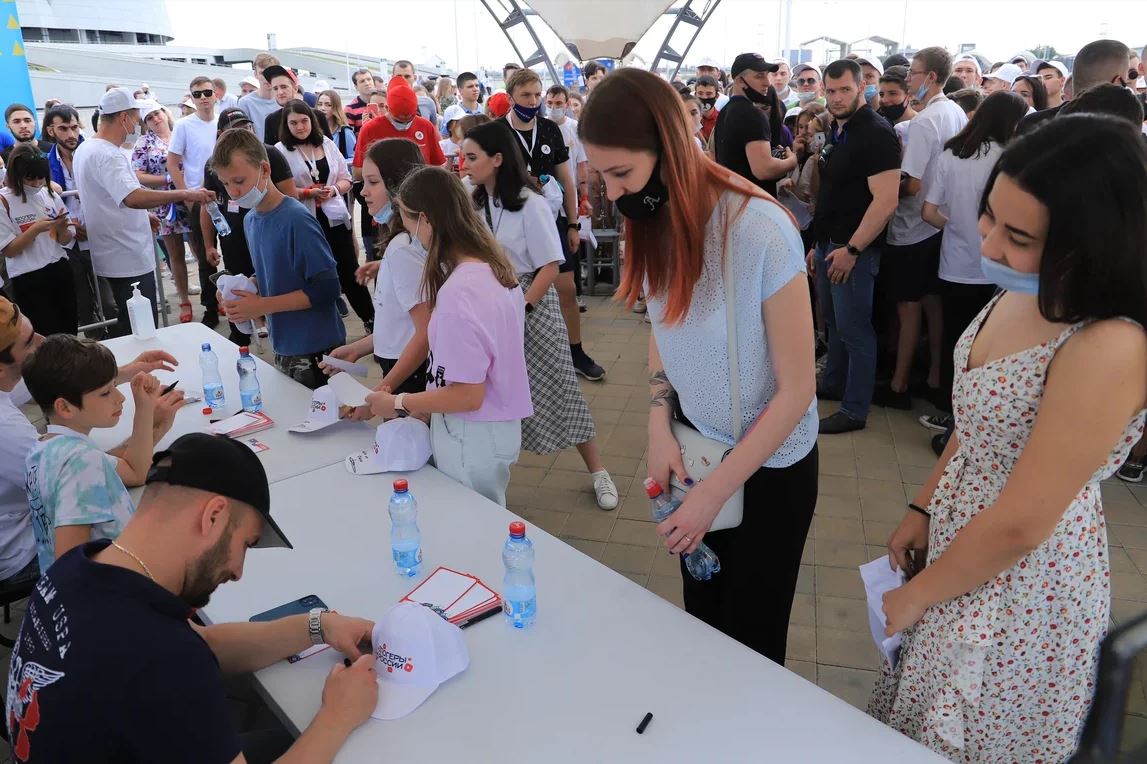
15	84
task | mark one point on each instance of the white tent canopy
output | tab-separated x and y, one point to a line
600	28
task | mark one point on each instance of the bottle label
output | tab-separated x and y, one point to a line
252	400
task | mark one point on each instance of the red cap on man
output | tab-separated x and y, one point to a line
500	105
400	100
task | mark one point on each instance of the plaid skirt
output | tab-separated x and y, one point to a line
561	417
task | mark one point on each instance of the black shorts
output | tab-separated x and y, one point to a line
912	271
569	265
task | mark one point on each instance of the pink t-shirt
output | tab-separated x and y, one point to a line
477	335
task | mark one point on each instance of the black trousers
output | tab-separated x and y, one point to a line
47	296
960	304
341	241
206	269
751	598
415	383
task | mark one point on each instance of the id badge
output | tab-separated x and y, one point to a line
233	207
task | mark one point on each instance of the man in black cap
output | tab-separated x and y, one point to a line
284	89
108	666
747	129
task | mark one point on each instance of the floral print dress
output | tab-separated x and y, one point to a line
150	156
1005	672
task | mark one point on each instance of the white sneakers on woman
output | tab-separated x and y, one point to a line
605	489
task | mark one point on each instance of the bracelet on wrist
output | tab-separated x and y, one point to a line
919	509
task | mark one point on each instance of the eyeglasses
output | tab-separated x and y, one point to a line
807	81
915	73
202	93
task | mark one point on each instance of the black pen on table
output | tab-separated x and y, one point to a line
169	388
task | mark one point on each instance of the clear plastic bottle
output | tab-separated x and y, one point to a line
405	538
139	314
222	227
702	563
212	382
249	390
519	592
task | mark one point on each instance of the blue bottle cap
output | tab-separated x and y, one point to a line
205	346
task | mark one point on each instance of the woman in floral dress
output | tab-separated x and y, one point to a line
1002	623
149	160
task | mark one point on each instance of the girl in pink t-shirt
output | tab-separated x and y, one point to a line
477	390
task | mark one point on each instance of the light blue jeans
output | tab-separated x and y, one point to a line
476	454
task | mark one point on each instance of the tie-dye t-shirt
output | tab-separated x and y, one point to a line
70	481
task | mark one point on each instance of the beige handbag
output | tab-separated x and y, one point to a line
702	455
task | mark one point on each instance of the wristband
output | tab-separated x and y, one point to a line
919	509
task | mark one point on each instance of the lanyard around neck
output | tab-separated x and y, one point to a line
529	147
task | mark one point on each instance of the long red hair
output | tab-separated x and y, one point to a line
636	110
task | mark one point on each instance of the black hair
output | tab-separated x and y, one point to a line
1094	260
509	179
953	84
557	90
62	112
896	75
1108	98
705	81
15	107
355	75
842	68
994	122
968	99
395	158
776	116
65	366
896	59
27	162
465	77
287	137
1039	90
591	68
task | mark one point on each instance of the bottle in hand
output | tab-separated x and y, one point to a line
702	563
405	538
212	382
222	227
519	593
249	391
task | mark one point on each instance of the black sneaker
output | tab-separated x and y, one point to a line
585	366
936	422
821	347
840	422
210	319
1130	472
888	398
824	394
940	442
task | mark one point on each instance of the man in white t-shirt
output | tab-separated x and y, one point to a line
910	262
115	204
192	142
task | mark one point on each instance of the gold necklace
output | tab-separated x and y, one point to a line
132	555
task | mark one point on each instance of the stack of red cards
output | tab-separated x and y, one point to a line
243	423
457	597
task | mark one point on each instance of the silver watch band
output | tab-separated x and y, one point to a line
315	626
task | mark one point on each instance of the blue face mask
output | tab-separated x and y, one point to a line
1009	278
922	92
870	92
384	216
526	113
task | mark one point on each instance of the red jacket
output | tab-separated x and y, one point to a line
420	132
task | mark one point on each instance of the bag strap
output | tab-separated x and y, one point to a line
731	327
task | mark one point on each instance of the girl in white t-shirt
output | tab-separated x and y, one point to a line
399	340
34	229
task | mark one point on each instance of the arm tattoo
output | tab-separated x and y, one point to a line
662	393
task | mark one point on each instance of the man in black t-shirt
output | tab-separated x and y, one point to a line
236	256
743	137
108	666
859	191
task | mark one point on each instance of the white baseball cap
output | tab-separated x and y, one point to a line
710	62
793	112
250	81
1059	66
147	107
415	651
118	99
189	103
971	59
400	445
324	410
454	112
321	85
805	68
872	61
1008	73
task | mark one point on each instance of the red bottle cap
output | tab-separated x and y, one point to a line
401	485
652	489
243	350
207	410
517	528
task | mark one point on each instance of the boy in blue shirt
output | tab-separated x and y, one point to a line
294	268
76	491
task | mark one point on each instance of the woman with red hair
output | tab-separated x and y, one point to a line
688	222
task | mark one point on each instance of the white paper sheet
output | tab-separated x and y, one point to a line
359	369
349	390
233	423
879	579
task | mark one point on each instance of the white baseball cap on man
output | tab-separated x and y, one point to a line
872	61
415	651
799	68
1059	66
1008	73
118	99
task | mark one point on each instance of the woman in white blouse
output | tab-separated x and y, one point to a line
522	222
323	180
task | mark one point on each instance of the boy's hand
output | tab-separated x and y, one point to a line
244	307
145	389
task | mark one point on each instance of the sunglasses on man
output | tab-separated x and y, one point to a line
202	93
806	81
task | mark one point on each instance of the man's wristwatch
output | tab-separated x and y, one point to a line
315	626
400	405
852	250
573	226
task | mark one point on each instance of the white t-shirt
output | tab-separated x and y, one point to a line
21	215
529	235
956	186
397	289
17	438
906	226
940	120
120	237
194	140
573	145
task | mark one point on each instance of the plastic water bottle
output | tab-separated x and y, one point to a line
249	391
702	563
139	314
212	382
520	595
405	539
222	227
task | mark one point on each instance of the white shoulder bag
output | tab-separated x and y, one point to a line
702	455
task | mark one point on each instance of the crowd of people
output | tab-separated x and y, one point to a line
914	223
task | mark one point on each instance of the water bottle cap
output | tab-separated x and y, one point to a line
208	410
401	486
205	346
518	529
652	489
244	351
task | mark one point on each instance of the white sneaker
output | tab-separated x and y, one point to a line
605	489
193	290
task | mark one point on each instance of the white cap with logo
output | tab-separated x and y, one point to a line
118	99
400	445
415	651
1008	73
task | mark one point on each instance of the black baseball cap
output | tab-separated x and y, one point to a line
751	61
276	70
232	117
217	464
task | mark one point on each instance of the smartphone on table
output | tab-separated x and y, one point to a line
301	606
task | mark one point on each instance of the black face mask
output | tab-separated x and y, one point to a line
708	103
893	113
646	202
753	95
